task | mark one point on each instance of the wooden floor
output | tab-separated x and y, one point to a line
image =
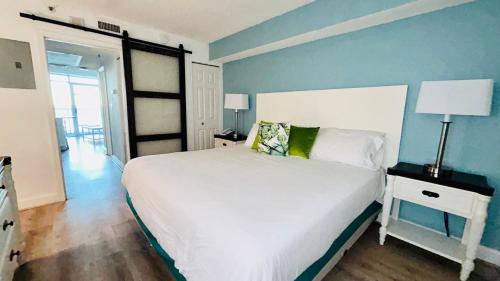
93	236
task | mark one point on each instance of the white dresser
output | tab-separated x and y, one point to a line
11	241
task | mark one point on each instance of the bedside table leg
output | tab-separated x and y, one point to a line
465	236
475	233
386	209
395	208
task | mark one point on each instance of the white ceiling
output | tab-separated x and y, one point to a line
89	55
205	20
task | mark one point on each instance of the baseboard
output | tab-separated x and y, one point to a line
489	255
117	162
32	202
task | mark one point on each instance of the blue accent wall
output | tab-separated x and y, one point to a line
318	14
462	42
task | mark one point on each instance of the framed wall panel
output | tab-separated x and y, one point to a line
16	66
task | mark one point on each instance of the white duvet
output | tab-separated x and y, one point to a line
233	214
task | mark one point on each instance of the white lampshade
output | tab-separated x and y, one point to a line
456	97
236	101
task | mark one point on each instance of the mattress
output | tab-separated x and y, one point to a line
234	214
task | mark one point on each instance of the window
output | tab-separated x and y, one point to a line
61	95
83	80
76	100
88	104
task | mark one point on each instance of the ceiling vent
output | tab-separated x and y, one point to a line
108	26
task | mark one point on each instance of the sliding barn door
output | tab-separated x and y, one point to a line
156	98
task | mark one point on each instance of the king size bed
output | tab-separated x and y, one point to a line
236	214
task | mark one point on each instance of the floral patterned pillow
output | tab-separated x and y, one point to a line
274	138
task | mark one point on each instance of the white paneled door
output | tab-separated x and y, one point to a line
207	100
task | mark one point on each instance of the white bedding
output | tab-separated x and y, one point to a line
233	214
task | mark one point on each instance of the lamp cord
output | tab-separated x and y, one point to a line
446	224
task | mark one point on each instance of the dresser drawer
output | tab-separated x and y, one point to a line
2	184
452	200
7	218
8	266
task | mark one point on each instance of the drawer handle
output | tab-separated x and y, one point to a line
224	144
430	194
7	224
14	254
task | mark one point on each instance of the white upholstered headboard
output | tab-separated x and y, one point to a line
373	108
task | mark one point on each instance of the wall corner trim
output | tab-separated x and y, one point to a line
117	162
408	10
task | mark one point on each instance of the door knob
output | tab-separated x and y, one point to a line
202	123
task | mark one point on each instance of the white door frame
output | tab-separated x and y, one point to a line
80	37
221	98
73	36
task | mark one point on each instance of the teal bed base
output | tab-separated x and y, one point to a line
308	275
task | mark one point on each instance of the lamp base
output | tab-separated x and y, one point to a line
436	172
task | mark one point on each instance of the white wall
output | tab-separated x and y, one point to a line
27	129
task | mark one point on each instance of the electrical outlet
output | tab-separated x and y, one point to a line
77	20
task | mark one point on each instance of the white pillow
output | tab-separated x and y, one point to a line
354	147
252	135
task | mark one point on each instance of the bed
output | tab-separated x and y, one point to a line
235	214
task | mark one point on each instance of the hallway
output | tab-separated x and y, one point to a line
88	171
91	236
92	185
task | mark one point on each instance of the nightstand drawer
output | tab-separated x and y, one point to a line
452	200
223	143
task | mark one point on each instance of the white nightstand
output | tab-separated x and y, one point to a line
462	194
226	141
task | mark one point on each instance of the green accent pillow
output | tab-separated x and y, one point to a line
302	140
274	138
255	144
